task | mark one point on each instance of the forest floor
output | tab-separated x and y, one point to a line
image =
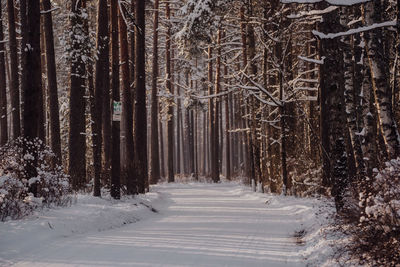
192	224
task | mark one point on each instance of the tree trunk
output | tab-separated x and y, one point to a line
155	160
379	66
55	141
24	36
334	117
227	134
211	109
127	108
162	154
170	123
215	147
77	140
14	82
33	93
3	89
179	133
106	121
351	93
102	85
140	99
115	83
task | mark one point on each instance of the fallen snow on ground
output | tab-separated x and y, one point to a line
192	224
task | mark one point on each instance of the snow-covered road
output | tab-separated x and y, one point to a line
195	225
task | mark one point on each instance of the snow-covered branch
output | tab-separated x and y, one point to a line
332	2
354	31
311	60
312	12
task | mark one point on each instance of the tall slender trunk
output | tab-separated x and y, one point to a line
55	141
227	134
140	99
162	154
34	92
106	120
44	132
205	144
211	109
24	36
3	89
77	140
170	123
115	84
195	149
127	108
351	93
379	66
215	147
247	144
255	104
102	86
155	160
179	133
332	87
14	82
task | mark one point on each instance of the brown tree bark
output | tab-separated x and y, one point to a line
170	123
211	117
14	82
77	140
127	109
115	148
55	140
179	133
162	154
155	160
33	67
227	133
102	86
24	36
215	147
140	99
3	89
33	93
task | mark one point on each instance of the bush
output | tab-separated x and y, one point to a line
20	193
376	233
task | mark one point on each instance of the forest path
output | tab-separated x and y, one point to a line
195	225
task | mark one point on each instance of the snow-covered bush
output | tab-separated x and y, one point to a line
20	192
377	233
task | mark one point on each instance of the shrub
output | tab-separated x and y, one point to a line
20	193
376	233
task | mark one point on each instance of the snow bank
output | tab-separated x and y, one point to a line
87	214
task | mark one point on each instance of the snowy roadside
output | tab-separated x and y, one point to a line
87	214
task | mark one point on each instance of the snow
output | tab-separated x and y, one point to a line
332	2
354	31
311	60
312	12
174	225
